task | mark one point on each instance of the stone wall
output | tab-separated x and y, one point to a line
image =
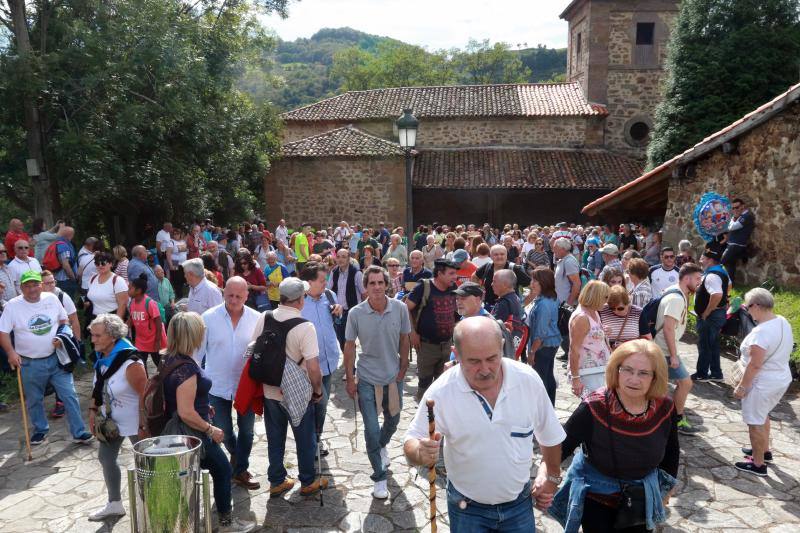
766	173
567	132
578	65
326	190
631	93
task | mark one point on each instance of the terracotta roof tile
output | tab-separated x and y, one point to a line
522	169
342	142
512	100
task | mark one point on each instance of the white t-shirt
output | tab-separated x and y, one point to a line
123	399
18	267
103	295
86	267
673	305
661	280
527	247
489	459
479	261
34	324
66	301
775	338
179	251
162	238
713	284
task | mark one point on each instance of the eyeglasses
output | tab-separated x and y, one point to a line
668	256
620	309
22	247
3	252
630	372
393	266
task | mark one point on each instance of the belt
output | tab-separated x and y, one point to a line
464	502
428	341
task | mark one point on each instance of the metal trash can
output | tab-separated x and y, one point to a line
164	488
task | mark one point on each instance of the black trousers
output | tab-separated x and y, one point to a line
732	255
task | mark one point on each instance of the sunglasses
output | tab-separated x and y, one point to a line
3	252
619	308
102	262
22	247
669	256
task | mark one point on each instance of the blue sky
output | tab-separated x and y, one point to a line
434	24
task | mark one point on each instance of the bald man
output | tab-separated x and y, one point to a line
138	265
16	231
229	328
488	408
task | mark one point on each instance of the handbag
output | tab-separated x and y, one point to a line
737	374
176	426
613	344
631	511
105	429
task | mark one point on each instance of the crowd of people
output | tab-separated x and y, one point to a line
485	310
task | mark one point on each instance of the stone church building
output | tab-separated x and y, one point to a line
526	153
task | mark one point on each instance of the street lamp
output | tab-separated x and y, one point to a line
407	125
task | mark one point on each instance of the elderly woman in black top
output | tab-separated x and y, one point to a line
627	441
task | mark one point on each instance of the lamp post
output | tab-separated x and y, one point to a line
407	125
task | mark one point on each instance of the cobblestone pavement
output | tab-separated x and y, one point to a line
58	489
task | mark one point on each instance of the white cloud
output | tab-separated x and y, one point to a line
432	23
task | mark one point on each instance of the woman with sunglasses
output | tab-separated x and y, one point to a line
247	268
620	318
536	256
108	293
624	437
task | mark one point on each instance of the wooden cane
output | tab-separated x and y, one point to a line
432	469
24	414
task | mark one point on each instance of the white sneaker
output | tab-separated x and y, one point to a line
380	491
111	509
385	461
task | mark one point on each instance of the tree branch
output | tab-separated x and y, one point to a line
147	98
12	195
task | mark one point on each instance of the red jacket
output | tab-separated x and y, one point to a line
249	393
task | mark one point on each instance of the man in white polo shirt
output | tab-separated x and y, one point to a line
229	328
488	408
203	295
22	262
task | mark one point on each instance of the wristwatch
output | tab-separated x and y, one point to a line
554	479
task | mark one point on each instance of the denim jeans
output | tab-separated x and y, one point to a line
375	435
708	332
238	446
509	517
36	373
220	469
305	438
543	364
322	406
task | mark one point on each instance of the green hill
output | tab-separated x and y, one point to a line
299	73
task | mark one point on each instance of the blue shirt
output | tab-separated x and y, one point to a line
318	312
135	268
543	322
65	250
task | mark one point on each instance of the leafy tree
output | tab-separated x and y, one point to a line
726	57
482	63
138	112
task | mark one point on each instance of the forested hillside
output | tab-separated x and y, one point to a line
338	59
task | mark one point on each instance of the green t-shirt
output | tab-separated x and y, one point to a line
300	243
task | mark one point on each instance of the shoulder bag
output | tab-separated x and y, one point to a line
631	511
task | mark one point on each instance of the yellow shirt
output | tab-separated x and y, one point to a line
299	242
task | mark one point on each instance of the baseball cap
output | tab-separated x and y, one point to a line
293	288
446	263
610	249
469	288
30	275
459	256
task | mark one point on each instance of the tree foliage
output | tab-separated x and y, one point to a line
481	62
141	117
726	57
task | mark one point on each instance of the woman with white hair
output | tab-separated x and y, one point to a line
431	252
765	359
119	383
684	253
396	250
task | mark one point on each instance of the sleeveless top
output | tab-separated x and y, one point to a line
123	399
594	351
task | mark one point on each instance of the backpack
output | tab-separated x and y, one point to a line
50	260
647	320
515	335
269	350
426	294
147	300
155	400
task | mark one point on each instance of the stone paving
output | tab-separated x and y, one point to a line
58	489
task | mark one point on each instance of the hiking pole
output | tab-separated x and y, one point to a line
319	462
432	469
355	418
24	414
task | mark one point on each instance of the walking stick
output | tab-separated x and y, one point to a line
24	414
432	469
319	462
355	418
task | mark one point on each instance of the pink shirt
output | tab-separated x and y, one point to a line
143	325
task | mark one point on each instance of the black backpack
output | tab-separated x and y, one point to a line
647	320
269	350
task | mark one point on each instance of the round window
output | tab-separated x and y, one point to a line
637	130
